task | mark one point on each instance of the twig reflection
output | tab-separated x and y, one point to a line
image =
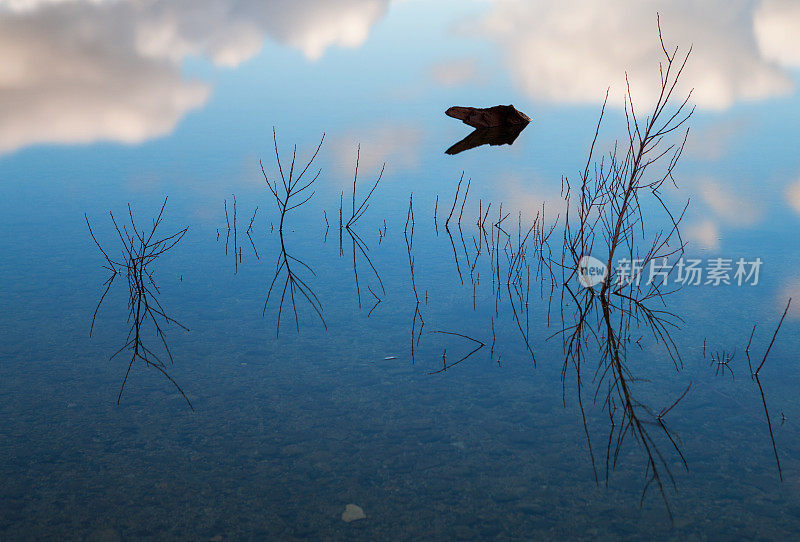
141	248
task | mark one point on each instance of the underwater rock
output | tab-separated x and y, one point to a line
490	117
353	512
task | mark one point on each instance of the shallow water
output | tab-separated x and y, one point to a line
290	427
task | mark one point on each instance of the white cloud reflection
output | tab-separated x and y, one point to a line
725	206
791	289
715	140
455	72
571	51
78	71
735	208
793	195
704	234
776	24
396	145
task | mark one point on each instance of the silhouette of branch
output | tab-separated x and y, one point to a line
140	250
291	194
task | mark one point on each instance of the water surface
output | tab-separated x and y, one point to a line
110	103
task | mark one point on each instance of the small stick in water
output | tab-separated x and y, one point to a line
774	336
466	193
664	411
455	200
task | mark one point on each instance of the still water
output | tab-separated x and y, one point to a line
416	368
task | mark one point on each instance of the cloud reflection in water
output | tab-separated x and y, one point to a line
85	71
571	51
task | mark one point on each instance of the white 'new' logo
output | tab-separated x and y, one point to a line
591	271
